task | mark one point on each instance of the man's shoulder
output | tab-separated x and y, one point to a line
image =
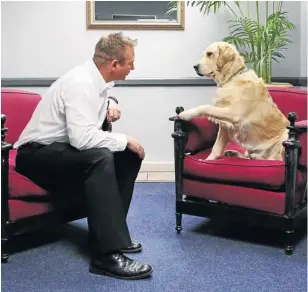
79	71
78	75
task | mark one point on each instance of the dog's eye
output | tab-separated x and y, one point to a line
209	54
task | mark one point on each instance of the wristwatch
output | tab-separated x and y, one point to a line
113	98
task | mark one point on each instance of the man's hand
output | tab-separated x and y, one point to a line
135	146
114	112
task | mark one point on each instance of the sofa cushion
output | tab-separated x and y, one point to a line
19	185
255	173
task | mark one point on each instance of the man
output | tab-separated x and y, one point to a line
63	146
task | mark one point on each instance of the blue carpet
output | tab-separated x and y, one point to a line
208	255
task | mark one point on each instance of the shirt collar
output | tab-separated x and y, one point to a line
98	78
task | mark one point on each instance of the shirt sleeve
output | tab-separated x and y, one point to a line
80	102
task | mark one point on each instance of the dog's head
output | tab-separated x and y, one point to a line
215	57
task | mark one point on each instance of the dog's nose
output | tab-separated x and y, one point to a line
196	67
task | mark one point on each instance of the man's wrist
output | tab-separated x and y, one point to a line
114	99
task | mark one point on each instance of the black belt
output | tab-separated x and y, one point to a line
30	145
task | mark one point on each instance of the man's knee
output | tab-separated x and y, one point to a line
133	157
100	155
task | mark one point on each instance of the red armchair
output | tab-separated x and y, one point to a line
268	193
25	206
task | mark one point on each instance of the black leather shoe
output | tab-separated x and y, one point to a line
119	266
135	247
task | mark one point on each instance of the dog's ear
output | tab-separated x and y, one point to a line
225	55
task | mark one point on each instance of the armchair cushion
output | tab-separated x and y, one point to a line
269	174
290	100
19	185
18	106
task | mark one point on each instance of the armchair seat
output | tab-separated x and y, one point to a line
266	174
19	185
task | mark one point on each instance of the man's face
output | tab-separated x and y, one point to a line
121	70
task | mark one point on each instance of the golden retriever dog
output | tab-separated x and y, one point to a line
242	107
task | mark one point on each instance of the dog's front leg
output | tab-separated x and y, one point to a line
220	144
189	114
223	114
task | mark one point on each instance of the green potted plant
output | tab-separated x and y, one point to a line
259	40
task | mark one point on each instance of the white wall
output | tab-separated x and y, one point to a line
44	39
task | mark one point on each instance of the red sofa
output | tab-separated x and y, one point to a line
268	193
25	206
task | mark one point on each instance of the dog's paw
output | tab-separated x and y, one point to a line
233	153
187	115
212	157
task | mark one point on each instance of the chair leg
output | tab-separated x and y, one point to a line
289	242
4	247
178	227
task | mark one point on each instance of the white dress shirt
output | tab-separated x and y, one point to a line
72	111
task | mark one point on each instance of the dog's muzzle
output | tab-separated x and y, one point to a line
196	67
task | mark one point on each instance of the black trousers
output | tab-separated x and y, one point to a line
107	180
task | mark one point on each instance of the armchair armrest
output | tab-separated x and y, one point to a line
180	137
179	125
301	126
295	156
5	148
201	132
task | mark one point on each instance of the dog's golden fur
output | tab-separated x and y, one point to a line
243	107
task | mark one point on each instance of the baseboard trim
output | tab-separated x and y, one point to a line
156	172
156	177
148	166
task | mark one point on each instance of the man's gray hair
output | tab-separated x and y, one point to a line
112	47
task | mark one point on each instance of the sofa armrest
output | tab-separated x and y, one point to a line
5	148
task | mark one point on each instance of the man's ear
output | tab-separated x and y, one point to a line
114	63
225	55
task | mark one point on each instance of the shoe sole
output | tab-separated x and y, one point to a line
104	273
131	250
